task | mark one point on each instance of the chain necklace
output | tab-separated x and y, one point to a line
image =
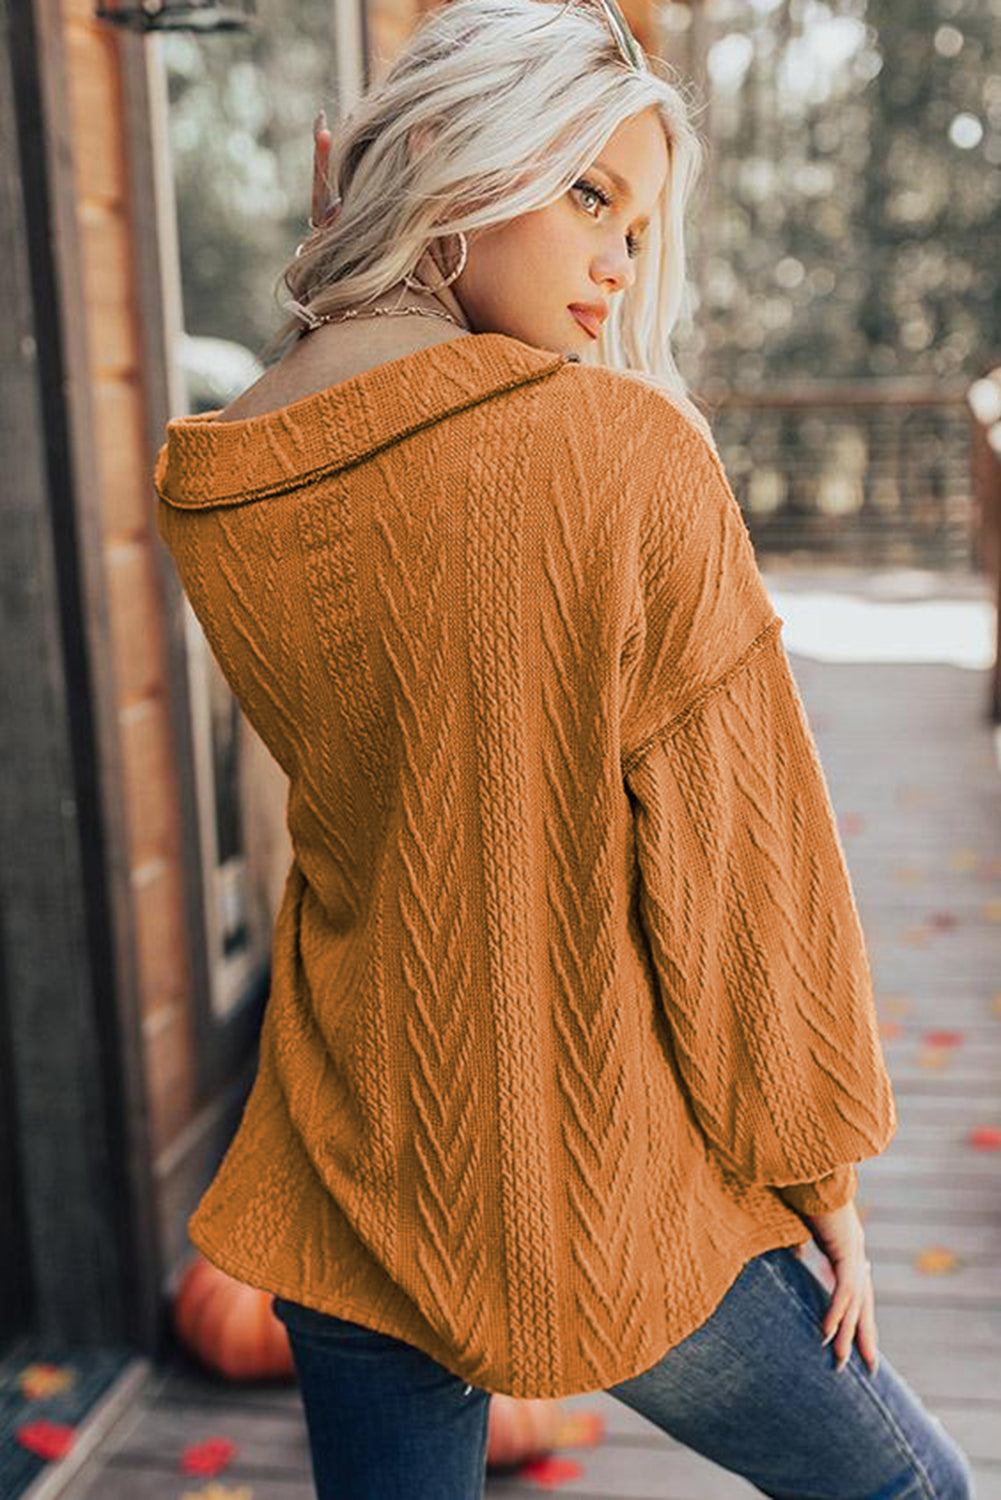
387	312
395	312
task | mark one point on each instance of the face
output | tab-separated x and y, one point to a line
522	277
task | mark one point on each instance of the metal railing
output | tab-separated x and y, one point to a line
875	474
894	473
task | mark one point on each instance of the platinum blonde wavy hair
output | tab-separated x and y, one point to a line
516	110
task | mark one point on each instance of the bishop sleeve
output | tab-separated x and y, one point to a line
741	884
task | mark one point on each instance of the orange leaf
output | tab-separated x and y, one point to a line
985	1138
936	1261
208	1457
550	1473
44	1380
581	1429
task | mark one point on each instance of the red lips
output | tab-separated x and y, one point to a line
590	316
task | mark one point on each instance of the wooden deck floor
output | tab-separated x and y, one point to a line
913	772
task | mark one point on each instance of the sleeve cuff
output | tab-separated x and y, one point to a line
824	1196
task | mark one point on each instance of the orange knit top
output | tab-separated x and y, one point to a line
570	1010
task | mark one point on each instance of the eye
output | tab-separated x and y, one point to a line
592	190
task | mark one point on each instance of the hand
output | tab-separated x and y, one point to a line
322	138
841	1238
322	210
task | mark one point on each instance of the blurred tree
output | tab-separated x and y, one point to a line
931	298
852	207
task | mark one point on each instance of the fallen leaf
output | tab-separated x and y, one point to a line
580	1429
44	1380
207	1457
550	1473
963	859
943	921
944	1038
985	1138
936	1261
992	911
47	1439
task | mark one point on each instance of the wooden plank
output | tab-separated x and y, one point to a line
976	1427
894	1240
188	1386
268	1442
908	1325
649	1466
132	1482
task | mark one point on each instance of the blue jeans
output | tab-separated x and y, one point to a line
752	1389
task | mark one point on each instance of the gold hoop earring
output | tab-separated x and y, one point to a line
416	285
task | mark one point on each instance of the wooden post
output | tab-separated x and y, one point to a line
68	964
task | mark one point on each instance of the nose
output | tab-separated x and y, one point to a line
615	271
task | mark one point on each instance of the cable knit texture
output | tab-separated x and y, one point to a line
570	1010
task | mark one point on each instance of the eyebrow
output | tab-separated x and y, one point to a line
620	183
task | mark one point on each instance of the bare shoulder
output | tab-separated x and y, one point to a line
331	355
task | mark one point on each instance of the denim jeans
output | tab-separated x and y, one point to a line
752	1389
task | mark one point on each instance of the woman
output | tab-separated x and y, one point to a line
571	1036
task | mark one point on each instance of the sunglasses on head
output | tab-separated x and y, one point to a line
629	47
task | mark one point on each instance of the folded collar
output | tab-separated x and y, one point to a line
204	462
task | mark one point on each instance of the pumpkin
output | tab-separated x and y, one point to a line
521	1428
231	1328
229	1325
